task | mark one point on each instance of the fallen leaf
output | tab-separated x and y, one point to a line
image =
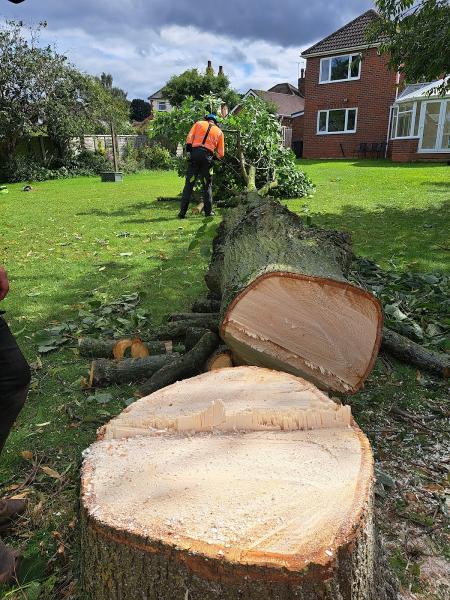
51	472
26	454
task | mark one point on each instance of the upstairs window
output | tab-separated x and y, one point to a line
340	68
336	121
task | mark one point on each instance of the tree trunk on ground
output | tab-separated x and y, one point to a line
241	484
286	303
176	330
98	348
187	365
408	351
202	319
193	336
128	370
206	305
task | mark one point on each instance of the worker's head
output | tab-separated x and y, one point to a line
211	117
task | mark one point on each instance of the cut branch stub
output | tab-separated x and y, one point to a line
239	483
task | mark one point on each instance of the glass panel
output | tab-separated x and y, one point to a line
351	119
355	65
430	125
324	69
322	121
405	107
404	124
445	145
394	122
339	67
336	120
416	122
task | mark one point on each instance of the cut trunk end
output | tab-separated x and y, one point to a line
327	331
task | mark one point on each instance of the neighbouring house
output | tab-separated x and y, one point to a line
354	106
420	124
158	103
289	104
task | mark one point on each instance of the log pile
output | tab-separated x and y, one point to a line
239	483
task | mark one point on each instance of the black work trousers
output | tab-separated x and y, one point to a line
200	165
14	381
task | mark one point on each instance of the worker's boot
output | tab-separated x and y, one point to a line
8	563
10	509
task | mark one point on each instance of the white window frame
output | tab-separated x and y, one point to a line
165	105
395	114
346	131
349	78
440	130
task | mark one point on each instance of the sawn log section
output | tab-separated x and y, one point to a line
285	300
241	483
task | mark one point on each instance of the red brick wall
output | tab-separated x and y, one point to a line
297	128
372	94
406	151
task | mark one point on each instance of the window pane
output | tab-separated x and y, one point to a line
355	65
430	126
394	123
351	120
339	67
322	121
324	69
336	120
405	107
445	145
404	124
416	122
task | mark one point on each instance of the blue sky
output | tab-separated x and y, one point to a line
143	42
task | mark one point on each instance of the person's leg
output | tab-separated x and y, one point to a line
191	177
206	174
14	381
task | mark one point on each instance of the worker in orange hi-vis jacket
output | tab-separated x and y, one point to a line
204	143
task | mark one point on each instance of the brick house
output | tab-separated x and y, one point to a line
353	106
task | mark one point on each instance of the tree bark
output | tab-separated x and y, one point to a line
285	300
129	370
193	336
176	330
177	505
103	348
201	319
408	351
219	359
206	305
187	365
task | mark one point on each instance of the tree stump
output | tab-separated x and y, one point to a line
286	303
238	484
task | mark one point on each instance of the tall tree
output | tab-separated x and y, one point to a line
416	36
139	110
197	85
106	79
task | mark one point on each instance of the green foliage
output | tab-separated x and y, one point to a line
416	36
139	110
156	158
252	140
197	85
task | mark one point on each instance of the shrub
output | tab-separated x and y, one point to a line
157	158
131	162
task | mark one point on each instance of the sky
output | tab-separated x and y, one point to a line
142	43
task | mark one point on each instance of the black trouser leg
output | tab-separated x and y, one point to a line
14	381
207	185
191	177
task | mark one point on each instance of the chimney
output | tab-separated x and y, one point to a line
209	69
220	73
301	82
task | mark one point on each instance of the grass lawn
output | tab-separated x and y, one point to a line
67	242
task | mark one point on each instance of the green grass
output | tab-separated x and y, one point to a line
69	241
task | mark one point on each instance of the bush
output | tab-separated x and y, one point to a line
292	183
131	161
157	158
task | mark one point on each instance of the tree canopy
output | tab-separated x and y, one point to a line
139	110
42	93
197	85
416	36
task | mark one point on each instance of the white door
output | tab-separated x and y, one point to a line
434	130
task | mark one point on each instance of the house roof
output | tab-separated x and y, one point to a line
157	95
286	104
285	88
352	35
417	91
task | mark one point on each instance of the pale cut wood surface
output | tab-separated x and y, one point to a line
239	398
324	330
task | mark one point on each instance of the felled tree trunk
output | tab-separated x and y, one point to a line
103	348
238	484
129	370
206	305
201	319
286	303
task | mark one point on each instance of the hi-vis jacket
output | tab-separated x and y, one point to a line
214	141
